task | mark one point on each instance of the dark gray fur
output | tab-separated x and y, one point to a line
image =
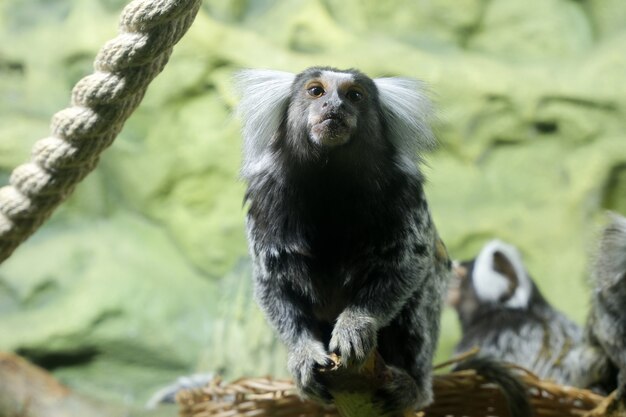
514	391
606	326
535	335
346	256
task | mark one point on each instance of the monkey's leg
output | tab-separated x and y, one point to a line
407	345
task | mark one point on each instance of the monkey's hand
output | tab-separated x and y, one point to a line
306	358
354	337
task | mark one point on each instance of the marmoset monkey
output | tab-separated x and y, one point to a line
606	326
503	313
346	256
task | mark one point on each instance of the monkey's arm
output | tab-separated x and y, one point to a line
391	279
373	306
290	314
286	311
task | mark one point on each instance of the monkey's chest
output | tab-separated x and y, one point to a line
331	235
327	215
330	301
340	232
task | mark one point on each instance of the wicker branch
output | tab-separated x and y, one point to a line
613	405
101	103
461	393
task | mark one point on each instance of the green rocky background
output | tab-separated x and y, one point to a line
142	275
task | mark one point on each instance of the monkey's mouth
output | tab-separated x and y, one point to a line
333	122
332	129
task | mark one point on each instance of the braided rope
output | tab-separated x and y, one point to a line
101	103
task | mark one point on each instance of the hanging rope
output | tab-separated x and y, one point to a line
101	103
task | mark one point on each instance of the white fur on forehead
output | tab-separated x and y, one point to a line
338	76
490	285
408	112
264	95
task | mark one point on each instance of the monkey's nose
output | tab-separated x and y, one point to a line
333	102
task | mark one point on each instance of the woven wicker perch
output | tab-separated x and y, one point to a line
462	393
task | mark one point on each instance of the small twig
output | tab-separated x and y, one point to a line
353	389
458	358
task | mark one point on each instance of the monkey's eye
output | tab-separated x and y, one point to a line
315	91
354	95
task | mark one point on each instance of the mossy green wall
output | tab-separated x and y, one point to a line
141	275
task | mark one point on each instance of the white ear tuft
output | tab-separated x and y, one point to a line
408	112
264	95
491	285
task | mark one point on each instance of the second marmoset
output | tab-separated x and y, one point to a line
346	256
503	313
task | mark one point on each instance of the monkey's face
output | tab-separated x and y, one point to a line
330	104
495	280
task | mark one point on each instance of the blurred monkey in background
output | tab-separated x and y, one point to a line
606	326
502	312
